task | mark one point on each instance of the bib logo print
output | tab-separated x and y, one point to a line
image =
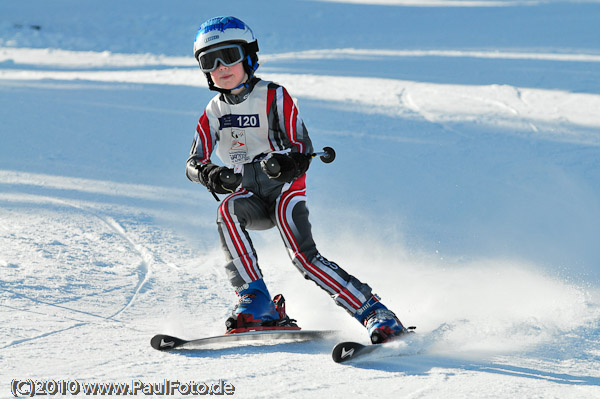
238	139
238	152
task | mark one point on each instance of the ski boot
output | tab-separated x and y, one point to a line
381	323
256	311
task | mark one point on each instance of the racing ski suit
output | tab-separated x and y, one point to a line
242	130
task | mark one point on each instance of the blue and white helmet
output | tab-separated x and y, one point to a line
223	30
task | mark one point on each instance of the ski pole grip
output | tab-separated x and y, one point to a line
273	167
228	176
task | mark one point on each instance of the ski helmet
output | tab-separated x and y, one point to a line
224	31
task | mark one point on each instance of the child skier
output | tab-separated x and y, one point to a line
253	120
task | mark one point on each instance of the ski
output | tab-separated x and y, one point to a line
164	342
346	351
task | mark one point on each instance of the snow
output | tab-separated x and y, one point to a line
465	192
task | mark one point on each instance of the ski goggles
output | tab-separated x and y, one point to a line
227	55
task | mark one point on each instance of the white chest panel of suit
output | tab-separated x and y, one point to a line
242	129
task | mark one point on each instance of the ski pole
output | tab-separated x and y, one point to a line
327	156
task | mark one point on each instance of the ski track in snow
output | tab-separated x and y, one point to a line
144	271
147	261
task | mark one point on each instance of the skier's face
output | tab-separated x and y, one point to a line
229	77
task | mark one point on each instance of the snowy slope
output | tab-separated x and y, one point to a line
466	191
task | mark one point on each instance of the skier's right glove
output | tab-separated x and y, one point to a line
210	176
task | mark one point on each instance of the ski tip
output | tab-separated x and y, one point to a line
345	351
163	342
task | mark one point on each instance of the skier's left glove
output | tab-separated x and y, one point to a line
286	167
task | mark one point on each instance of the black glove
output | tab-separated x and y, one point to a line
218	179
286	167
